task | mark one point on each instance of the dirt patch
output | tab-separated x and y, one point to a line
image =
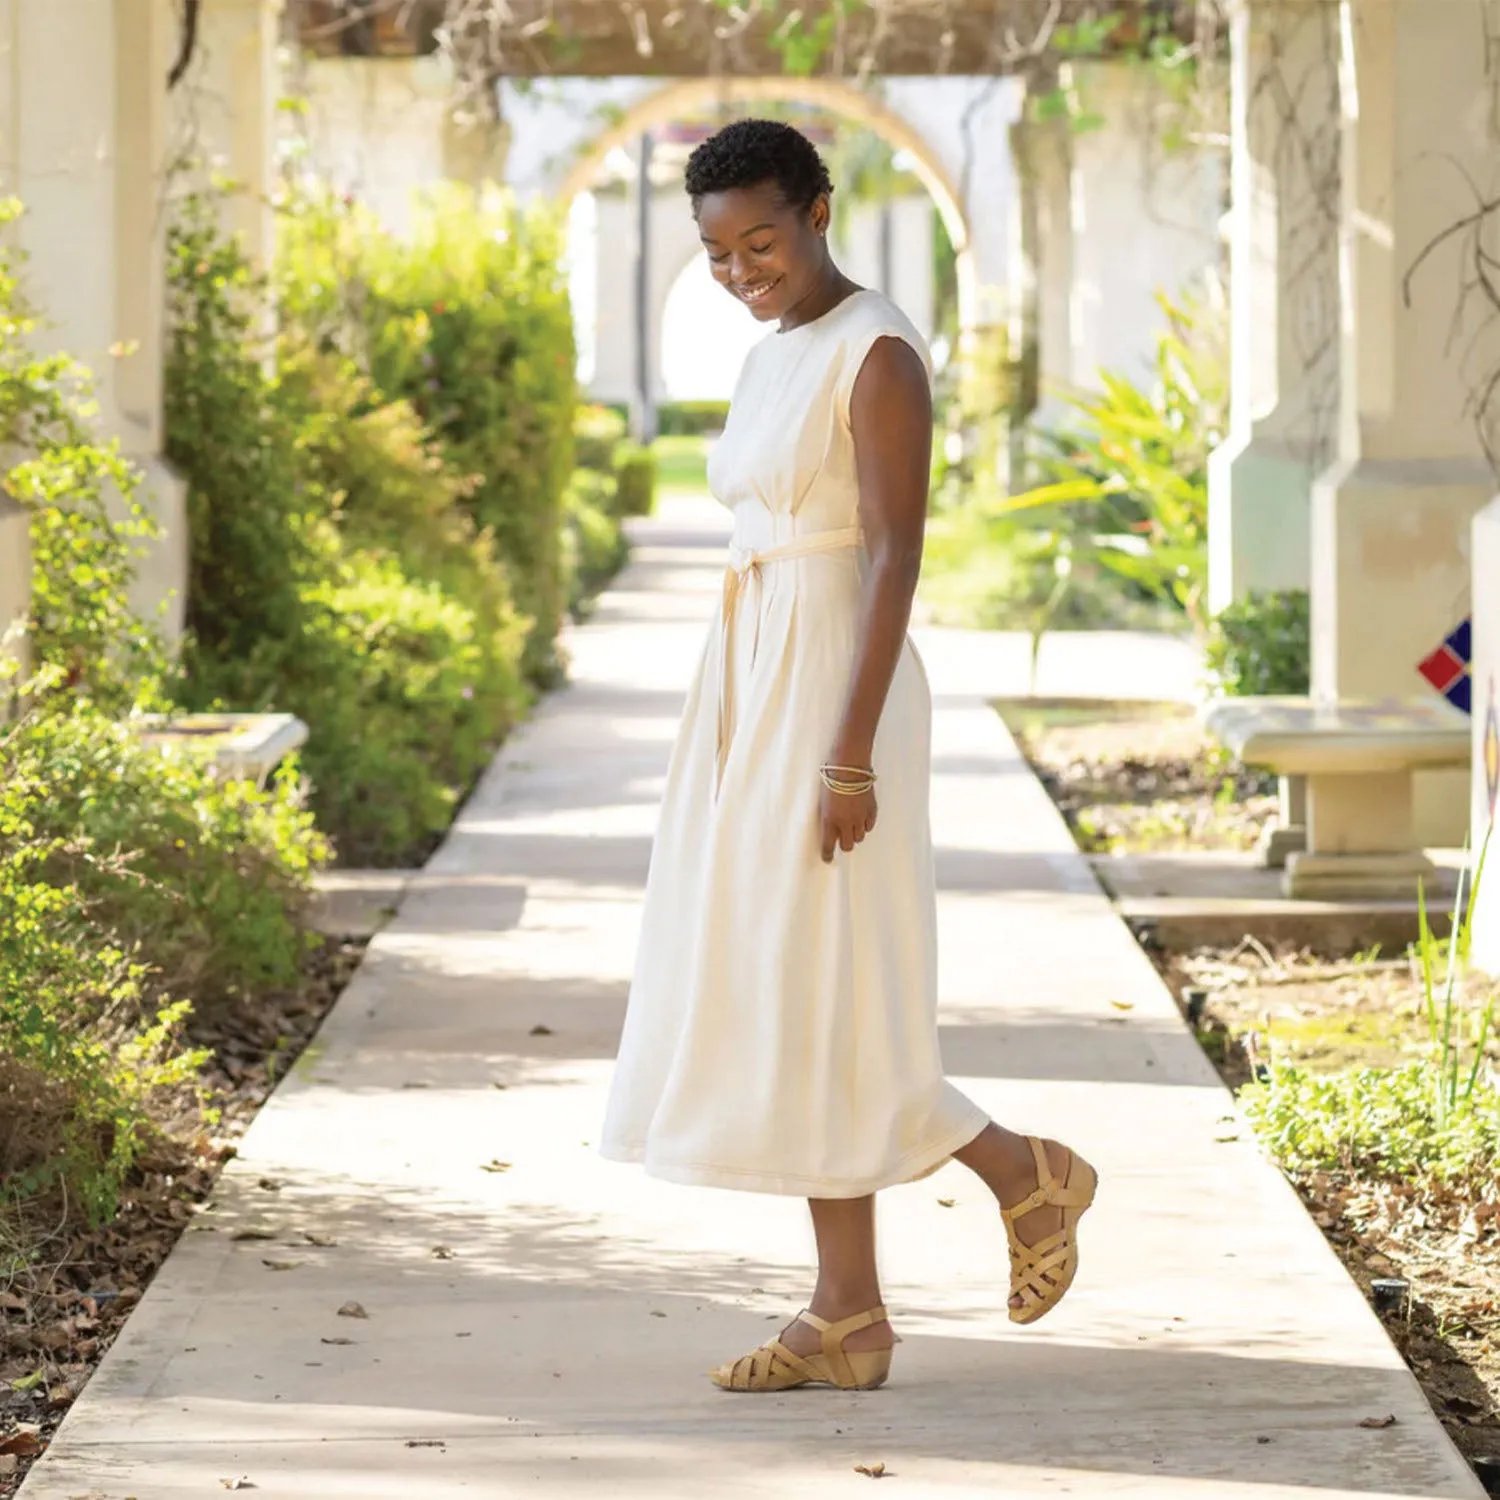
1138	779
60	1313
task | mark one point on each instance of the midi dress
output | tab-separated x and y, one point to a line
781	1033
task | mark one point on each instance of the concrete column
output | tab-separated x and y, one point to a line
1284	260
1041	315
145	43
1392	519
1486	768
82	144
225	114
1146	220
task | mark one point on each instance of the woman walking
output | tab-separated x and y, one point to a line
781	1034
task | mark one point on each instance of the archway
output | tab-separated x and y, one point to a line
693	95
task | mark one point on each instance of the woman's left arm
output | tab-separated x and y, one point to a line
890	413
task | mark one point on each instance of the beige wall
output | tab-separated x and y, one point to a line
83	145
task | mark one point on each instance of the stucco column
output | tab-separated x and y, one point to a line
1486	768
1392	519
225	114
1284	295
82	144
1145	218
1042	257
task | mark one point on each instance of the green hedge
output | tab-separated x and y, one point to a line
469	321
597	432
1263	645
691	418
635	480
391	630
131	884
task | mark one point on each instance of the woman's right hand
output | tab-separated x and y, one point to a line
846	819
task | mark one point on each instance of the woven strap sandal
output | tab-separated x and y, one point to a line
1041	1273
774	1367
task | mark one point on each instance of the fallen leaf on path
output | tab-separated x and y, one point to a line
541	1031
946	1202
312	1237
426	1443
352	1310
872	1471
242	1483
254	1233
495	1166
270	1184
500	1085
658	1314
413	1083
1389	1421
442	1252
280	1265
1123	1004
26	1442
338	1341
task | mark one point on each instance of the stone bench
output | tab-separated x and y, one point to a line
1350	765
244	746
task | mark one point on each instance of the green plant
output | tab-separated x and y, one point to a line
691	418
87	526
389	628
1262	645
1136	463
594	543
597	432
635	480
1434	1120
468	321
1453	1085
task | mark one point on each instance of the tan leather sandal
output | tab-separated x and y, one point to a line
774	1367
1041	1273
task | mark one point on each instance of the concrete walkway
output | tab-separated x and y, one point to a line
539	1322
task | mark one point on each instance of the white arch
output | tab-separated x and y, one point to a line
692	95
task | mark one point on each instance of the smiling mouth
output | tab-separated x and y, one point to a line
753	294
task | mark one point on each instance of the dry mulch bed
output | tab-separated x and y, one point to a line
61	1312
1147	779
1134	780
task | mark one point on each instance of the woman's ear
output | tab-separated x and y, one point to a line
821	214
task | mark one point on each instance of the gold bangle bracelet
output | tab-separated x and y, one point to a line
864	773
848	788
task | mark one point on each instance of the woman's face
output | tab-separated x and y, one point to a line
766	254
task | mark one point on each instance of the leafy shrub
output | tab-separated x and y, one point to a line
594	543
408	695
1133	465
86	526
1262	645
393	634
597	432
207	877
691	418
1379	1122
469	322
635	480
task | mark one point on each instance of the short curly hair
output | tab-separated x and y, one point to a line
750	152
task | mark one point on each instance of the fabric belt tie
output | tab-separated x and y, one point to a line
743	571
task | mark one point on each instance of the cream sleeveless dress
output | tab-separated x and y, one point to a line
781	1033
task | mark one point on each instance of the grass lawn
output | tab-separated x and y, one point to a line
681	465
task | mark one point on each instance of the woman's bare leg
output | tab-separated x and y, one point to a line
848	1281
1004	1163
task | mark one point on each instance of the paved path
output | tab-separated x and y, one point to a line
1213	1346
